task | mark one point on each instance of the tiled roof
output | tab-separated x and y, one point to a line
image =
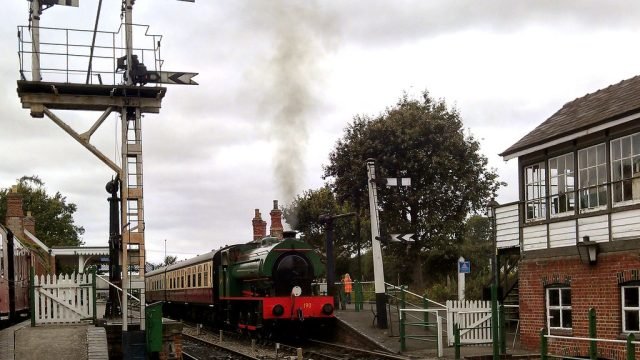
610	103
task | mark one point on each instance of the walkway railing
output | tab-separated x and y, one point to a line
629	348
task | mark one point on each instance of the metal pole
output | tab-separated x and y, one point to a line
128	20
456	340
378	270
35	40
403	340
331	270
495	333
125	239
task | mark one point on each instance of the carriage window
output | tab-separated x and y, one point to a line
199	279
1	255
205	279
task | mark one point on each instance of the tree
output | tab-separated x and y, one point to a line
170	260
303	213
53	215
422	139
477	248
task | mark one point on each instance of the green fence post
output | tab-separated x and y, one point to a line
593	346
502	331
456	340
358	295
403	341
425	305
361	295
93	290
32	296
631	347
495	333
544	347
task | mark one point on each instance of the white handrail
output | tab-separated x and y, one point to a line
416	295
117	287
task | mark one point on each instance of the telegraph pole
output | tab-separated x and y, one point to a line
378	271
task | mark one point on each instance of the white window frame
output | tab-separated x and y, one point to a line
562	184
585	169
560	307
535	189
632	178
629	308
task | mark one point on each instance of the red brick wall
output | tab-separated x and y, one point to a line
596	286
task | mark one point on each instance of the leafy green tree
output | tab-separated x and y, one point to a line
53	215
303	214
170	260
477	248
422	139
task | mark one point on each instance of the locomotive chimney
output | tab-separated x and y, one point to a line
276	221
259	226
15	215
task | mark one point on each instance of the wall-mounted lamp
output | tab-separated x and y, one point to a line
588	251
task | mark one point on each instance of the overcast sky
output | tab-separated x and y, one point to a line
279	81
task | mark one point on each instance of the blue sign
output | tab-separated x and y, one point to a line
464	267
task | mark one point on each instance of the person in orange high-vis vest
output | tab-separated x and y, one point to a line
348	288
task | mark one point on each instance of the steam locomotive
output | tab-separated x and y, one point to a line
261	286
15	261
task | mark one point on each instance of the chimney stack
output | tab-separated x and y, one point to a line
259	226
15	214
29	223
276	221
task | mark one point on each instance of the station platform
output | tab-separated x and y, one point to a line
424	348
72	342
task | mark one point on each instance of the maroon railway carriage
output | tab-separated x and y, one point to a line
260	285
15	261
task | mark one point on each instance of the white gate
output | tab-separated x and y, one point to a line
67	299
473	319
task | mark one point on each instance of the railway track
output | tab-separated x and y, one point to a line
194	348
268	350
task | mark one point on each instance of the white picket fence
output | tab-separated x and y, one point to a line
473	319
66	299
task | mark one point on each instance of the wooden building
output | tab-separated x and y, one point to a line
576	226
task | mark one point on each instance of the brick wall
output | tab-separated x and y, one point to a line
596	286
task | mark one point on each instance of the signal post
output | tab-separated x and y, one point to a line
130	99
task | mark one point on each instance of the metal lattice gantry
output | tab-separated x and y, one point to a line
73	69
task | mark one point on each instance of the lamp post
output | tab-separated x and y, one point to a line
491	213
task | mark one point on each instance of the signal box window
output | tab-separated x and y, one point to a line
631	308
592	178
561	185
558	307
625	169
535	188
